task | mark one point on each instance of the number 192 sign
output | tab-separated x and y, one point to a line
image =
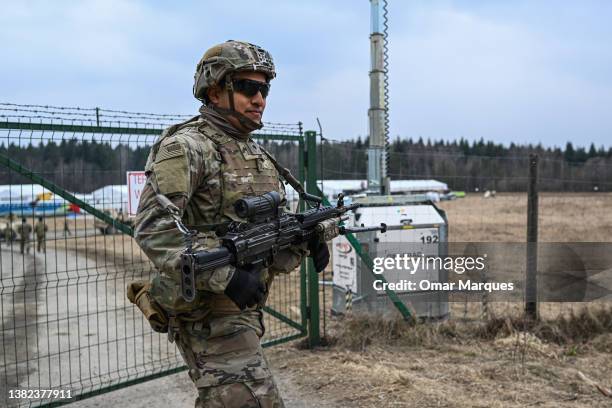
136	181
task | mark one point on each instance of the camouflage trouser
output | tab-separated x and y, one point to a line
250	394
41	245
24	246
228	369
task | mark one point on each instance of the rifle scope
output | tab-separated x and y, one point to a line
259	207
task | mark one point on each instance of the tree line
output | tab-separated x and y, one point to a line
478	165
77	166
83	166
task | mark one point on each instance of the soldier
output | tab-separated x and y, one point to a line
66	228
203	166
41	233
8	231
25	229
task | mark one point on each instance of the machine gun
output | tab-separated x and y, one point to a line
268	230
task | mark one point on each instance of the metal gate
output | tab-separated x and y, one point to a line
66	323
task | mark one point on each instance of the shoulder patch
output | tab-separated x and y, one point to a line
169	151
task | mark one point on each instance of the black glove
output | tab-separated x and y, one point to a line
319	254
246	288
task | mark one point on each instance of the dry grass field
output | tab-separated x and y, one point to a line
563	217
467	362
378	363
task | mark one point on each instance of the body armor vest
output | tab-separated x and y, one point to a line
245	170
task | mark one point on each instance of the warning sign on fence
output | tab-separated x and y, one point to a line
135	182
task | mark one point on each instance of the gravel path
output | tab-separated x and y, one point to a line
177	390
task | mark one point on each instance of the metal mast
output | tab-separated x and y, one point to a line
378	114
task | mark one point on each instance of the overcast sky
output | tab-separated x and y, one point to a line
523	71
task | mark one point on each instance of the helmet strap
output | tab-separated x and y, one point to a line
246	122
229	85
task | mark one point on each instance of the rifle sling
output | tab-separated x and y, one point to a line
285	173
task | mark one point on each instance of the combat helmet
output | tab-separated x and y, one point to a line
226	58
220	62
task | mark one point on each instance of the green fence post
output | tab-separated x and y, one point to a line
314	336
303	277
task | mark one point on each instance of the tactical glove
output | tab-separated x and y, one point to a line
245	288
319	254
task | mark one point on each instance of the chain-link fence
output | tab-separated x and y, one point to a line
67	253
66	323
483	190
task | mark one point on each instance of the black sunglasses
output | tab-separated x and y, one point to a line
249	88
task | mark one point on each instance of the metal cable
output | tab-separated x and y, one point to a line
386	85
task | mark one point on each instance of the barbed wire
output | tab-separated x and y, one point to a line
43	111
45	106
100	116
170	119
158	115
48	117
38	119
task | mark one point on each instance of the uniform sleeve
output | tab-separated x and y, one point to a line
181	163
287	260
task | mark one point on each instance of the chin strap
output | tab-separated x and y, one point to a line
247	123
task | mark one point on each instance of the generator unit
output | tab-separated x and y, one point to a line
415	227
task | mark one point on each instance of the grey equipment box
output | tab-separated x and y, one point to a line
417	226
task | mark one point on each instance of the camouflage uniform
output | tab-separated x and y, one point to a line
203	171
8	232
24	231
41	232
